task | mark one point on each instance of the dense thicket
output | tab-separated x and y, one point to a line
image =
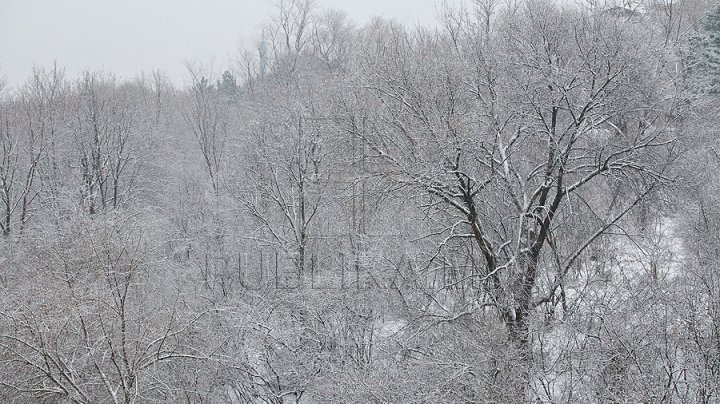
519	205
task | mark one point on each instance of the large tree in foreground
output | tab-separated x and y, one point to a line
531	134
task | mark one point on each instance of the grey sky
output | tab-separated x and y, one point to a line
127	36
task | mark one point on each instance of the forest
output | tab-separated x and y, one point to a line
518	205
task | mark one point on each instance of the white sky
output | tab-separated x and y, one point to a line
127	36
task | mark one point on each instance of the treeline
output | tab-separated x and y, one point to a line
518	205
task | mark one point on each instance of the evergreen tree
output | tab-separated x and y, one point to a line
227	85
703	59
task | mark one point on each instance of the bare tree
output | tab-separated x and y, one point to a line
286	184
12	191
205	114
288	37
44	100
30	126
291	26
331	39
105	138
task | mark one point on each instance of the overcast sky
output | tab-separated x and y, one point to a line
127	36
